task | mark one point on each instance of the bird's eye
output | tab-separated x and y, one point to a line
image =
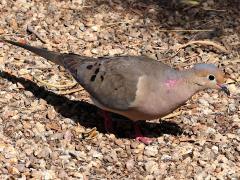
211	77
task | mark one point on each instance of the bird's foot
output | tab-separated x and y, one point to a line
108	124
140	137
145	140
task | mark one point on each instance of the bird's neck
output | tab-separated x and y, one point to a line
189	82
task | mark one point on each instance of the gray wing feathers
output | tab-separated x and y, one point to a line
108	82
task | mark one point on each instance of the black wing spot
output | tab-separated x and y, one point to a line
102	78
115	89
72	53
74	72
97	71
93	77
89	66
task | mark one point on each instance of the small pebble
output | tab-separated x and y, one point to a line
151	151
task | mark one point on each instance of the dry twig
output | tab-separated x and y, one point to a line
237	60
169	116
90	134
193	140
204	42
55	85
70	91
32	31
217	10
186	30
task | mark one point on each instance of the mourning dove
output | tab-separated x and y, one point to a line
136	87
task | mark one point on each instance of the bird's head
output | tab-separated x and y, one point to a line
209	76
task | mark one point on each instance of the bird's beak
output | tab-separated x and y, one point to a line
224	88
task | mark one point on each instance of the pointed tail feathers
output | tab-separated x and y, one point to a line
49	55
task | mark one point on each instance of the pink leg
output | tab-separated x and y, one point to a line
107	121
140	137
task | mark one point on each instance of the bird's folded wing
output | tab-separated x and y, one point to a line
111	81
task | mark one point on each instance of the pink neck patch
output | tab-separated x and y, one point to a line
170	83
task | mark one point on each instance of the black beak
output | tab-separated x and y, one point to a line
224	89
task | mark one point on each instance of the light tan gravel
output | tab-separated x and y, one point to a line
44	135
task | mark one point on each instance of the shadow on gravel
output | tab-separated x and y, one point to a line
172	14
88	115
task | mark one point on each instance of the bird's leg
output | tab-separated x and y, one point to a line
107	121
139	136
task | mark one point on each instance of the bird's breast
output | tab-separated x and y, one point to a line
156	99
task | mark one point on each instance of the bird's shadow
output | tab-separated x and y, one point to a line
87	114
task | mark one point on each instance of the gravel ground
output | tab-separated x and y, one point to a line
51	133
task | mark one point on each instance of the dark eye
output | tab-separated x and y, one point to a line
211	77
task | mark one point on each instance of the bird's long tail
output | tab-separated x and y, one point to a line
49	55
